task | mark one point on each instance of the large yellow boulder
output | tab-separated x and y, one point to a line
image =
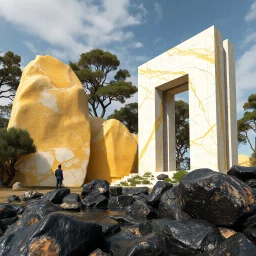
114	150
244	160
51	104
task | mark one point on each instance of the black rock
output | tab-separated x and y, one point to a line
7	211
135	191
18	208
150	245
96	186
109	226
169	205
98	252
13	198
33	214
8	222
31	195
142	209
95	200
216	197
115	191
236	245
157	191
162	176
55	234
142	197
71	198
250	233
188	237
121	201
128	233
242	173
125	219
75	206
251	183
56	195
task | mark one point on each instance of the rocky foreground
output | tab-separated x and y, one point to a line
208	213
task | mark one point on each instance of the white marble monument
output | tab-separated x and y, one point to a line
204	66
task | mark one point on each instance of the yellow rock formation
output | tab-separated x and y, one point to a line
52	105
244	160
113	150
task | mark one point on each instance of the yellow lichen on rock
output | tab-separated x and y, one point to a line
113	150
51	104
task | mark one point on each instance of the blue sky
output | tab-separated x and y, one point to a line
135	30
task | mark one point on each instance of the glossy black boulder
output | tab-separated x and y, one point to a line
216	197
242	172
162	176
188	237
150	245
96	186
170	206
13	198
56	195
159	188
95	200
55	234
236	245
142	209
33	214
135	191
121	201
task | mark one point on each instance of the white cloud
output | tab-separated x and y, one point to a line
74	25
30	46
138	45
246	64
251	15
159	39
159	12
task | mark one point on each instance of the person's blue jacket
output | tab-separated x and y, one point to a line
59	174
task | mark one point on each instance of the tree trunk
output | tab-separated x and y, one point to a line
11	176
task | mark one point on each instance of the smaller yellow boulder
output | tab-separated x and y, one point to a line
114	150
244	160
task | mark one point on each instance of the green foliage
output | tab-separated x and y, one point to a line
168	180
122	183
179	175
247	124
5	113
92	69
128	115
182	134
253	159
14	143
145	182
10	74
138	177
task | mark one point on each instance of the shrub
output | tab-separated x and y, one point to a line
179	175
168	180
14	143
122	183
138	178
145	182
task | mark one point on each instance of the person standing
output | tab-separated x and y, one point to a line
59	176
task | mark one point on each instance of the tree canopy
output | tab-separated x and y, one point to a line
182	134
14	143
94	69
128	115
247	125
10	74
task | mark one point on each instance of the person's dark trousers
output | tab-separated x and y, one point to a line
59	182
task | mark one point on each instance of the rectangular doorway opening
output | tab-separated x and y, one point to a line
176	154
